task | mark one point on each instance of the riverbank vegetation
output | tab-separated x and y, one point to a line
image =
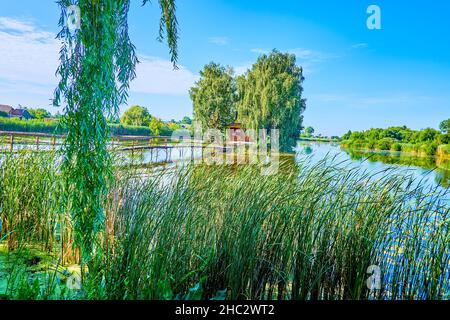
426	142
309	232
53	126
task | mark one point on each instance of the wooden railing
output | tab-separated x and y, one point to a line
8	138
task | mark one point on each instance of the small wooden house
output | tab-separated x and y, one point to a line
237	133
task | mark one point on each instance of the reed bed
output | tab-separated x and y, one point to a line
213	232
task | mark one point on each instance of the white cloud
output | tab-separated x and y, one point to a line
28	54
29	57
155	75
220	41
16	25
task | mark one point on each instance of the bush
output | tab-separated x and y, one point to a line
384	144
396	147
123	130
371	144
54	127
430	149
34	125
444	138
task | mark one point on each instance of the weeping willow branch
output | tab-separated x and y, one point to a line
97	64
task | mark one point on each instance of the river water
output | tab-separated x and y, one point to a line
423	169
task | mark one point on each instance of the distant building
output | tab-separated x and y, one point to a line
15	113
20	113
5	108
237	133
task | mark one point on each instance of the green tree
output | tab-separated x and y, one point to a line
309	131
347	135
214	97
270	96
97	63
186	120
156	125
444	126
3	114
428	134
39	113
136	116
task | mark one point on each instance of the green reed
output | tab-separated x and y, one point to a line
308	232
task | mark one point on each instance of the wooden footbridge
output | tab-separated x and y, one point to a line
14	141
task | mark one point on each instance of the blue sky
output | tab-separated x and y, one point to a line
356	78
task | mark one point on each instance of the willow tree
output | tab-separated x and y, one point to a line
97	63
270	97
214	97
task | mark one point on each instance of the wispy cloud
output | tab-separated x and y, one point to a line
28	54
362	45
16	25
29	58
220	41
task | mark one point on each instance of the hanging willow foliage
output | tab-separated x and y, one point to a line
97	63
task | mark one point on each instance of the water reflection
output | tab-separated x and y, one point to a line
424	168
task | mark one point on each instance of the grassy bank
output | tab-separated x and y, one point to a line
52	126
438	156
418	149
318	139
308	232
425	142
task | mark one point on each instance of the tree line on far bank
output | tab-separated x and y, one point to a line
136	121
423	142
268	96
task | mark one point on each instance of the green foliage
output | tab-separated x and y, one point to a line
30	193
306	233
309	131
444	138
347	135
430	148
121	130
425	141
270	96
216	232
39	113
186	120
3	114
396	147
444	126
55	127
156	125
136	116
97	63
385	144
33	125
214	97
